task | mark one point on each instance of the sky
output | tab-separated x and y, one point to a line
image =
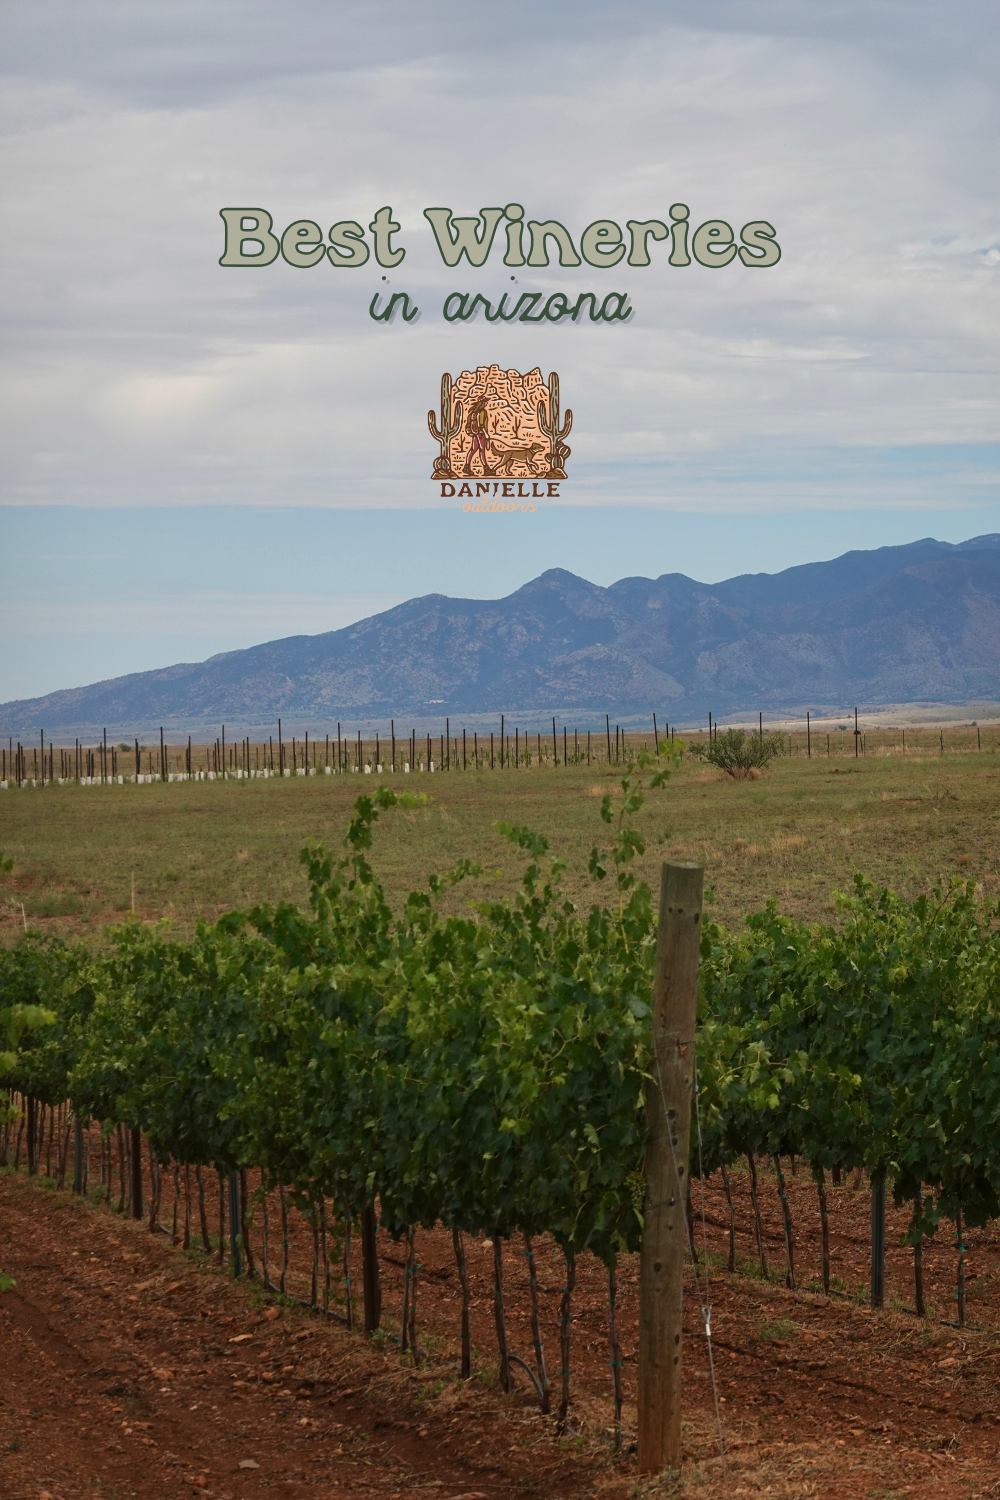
199	457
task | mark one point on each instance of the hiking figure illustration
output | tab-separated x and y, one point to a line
477	426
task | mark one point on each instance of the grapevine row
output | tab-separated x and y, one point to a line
487	1071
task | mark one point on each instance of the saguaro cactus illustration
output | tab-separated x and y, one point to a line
548	421
451	423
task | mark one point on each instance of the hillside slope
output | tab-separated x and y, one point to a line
900	624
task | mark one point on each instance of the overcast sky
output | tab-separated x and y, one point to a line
845	397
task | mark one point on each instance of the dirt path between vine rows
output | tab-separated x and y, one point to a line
131	1369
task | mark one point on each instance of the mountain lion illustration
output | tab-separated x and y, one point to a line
523	455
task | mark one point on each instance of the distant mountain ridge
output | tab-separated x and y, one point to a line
914	623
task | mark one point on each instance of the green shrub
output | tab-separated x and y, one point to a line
740	754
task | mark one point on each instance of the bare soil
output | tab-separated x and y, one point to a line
133	1368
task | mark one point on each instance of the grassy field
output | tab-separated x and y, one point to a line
194	849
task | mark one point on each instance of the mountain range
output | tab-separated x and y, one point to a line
905	624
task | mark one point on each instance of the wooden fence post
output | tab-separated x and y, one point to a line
878	1244
235	1223
668	1107
370	1281
77	1154
136	1172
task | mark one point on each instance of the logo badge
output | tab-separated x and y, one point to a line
500	424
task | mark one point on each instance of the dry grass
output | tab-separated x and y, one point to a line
798	833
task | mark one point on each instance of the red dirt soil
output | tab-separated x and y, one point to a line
134	1369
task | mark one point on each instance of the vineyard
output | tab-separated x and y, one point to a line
322	1094
504	748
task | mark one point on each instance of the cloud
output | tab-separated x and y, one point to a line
137	371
